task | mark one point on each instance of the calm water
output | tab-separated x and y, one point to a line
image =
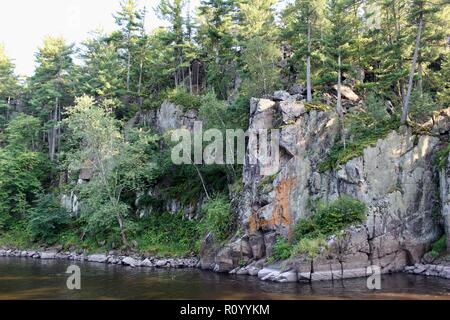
46	279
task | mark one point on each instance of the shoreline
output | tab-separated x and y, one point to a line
264	274
125	260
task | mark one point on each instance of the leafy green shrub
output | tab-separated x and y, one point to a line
47	218
281	249
70	238
310	247
331	218
217	217
182	98
422	107
238	113
167	234
305	228
18	236
340	214
442	157
376	108
439	246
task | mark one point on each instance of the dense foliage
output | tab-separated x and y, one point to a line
75	116
326	219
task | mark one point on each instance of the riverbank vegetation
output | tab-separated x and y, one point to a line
69	131
327	219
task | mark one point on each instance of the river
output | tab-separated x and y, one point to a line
22	278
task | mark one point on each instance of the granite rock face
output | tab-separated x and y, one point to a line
396	178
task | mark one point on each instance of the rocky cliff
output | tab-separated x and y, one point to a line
407	196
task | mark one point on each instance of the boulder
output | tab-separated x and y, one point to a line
347	93
253	271
257	244
147	263
162	263
224	261
99	258
128	261
265	272
48	255
292	110
288	276
242	271
281	95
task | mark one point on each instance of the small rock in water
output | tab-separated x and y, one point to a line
147	263
100	258
48	255
128	261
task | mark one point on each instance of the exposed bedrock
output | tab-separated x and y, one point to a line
397	178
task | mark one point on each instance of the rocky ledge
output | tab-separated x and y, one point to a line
433	270
275	274
110	258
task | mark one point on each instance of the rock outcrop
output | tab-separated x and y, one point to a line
396	178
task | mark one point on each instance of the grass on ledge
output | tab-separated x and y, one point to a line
363	133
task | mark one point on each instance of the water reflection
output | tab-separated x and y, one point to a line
46	279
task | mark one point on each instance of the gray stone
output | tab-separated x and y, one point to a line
48	255
281	95
257	244
292	110
242	271
128	261
288	276
161	263
147	263
265	272
253	271
99	258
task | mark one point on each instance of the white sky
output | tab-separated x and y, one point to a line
25	23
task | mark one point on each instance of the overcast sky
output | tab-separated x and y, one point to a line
25	23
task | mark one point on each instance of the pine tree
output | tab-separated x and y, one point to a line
218	43
9	87
302	23
339	43
423	20
131	22
260	50
102	70
172	12
51	87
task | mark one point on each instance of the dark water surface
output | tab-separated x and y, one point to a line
22	278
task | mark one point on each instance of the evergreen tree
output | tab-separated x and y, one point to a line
172	12
218	43
260	50
9	87
51	88
131	22
102	70
303	21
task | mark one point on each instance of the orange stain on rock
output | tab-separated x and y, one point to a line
280	213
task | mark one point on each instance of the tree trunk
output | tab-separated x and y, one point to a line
128	69
405	110
53	131
7	109
397	34
420	79
339	100
308	67
190	79
203	181
141	67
